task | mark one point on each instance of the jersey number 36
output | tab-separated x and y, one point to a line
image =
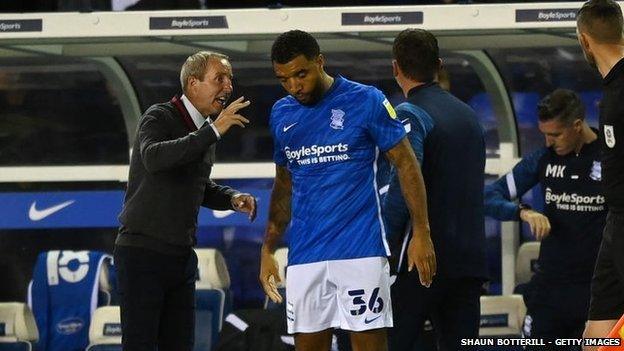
375	303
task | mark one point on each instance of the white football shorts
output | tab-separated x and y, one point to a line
349	294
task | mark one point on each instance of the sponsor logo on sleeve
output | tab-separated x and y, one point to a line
390	109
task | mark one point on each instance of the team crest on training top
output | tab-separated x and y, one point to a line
337	119
596	171
609	134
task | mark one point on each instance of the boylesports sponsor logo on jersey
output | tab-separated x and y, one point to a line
318	153
574	201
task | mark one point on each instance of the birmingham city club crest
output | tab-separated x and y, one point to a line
596	171
337	119
609	134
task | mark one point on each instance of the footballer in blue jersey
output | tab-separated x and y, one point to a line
328	134
331	151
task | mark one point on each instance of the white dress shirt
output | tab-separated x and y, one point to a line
197	117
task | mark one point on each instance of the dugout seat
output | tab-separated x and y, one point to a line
64	292
18	330
212	297
526	261
105	329
502	316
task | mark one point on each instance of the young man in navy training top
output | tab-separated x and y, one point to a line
570	229
328	134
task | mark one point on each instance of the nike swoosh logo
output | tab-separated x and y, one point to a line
288	127
222	214
404	120
36	215
366	320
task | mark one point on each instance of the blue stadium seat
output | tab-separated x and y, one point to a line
66	288
18	330
591	99
212	297
105	329
482	105
525	105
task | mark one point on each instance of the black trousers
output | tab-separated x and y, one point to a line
555	310
607	286
157	299
452	305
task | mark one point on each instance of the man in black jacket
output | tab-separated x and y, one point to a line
449	144
169	179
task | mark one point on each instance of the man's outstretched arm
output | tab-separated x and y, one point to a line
279	217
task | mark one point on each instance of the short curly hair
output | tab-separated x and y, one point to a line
291	44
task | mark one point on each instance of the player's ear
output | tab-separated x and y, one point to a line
320	61
584	40
577	125
191	84
395	68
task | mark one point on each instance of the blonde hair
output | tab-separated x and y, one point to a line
196	64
